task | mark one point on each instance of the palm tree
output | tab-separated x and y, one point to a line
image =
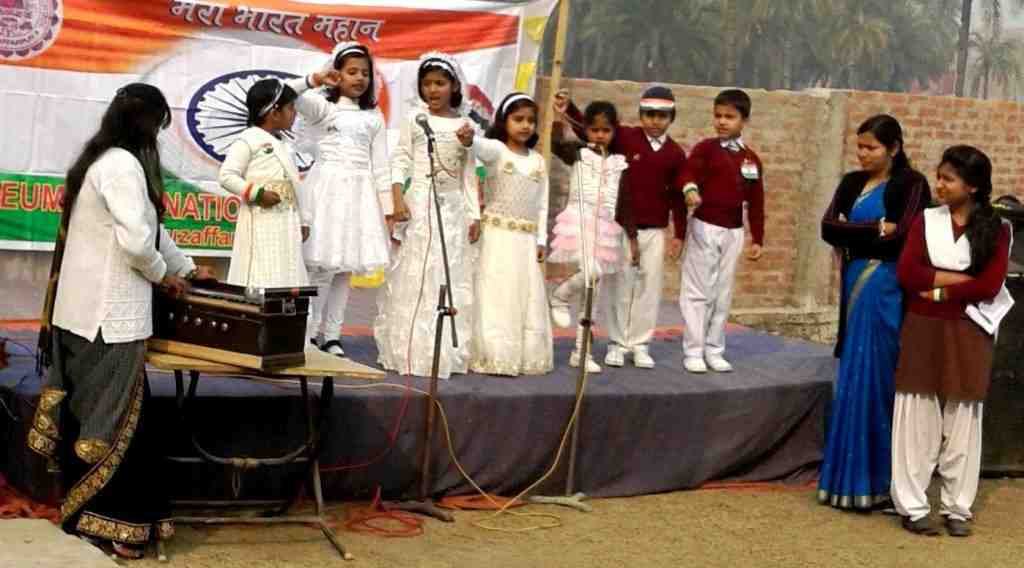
996	61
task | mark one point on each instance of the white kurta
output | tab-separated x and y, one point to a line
267	250
110	258
347	193
407	304
512	333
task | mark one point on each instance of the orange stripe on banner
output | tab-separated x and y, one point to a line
128	33
19	325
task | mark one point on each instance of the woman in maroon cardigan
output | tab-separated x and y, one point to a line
867	222
953	270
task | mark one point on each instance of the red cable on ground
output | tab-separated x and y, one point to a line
363	521
14	505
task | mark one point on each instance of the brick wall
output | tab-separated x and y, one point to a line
807	140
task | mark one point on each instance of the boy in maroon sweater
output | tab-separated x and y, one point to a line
722	174
653	181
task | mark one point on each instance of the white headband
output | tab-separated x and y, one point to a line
511	99
277	97
437	62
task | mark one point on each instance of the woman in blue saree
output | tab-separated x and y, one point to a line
867	223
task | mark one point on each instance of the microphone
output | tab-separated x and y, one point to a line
421	120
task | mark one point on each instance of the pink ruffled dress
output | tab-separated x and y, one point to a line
597	178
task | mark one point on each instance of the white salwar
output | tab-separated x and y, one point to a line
407	303
929	436
512	333
634	294
346	196
267	250
708	278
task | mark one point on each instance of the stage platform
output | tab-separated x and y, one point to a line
642	431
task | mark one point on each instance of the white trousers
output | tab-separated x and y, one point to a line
926	437
327	312
709	269
634	294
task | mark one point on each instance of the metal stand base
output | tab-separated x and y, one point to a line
571	501
306	453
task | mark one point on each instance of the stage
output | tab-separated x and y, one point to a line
642	431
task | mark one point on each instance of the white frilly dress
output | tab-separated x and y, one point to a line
407	303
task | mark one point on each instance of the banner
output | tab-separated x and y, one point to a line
62	60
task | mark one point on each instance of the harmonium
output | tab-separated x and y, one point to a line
255	328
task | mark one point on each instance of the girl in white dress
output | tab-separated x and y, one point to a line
407	305
348	192
258	168
512	333
597	176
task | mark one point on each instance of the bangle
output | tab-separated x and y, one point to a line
690	188
936	295
259	193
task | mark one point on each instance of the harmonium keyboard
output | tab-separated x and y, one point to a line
256	328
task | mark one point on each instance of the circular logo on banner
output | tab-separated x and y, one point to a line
28	27
217	114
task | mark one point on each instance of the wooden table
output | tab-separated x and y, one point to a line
318	364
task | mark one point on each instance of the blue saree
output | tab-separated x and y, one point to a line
856	471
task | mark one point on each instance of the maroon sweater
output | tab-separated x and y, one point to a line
652	177
916	274
723	190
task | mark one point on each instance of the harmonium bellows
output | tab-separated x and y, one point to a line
256	328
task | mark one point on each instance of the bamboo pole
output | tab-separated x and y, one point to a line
556	79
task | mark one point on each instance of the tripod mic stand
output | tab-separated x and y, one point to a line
424	505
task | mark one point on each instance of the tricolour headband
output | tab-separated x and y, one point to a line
657	104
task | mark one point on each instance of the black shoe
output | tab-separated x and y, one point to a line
326	348
922	526
956	527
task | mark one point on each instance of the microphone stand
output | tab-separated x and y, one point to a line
572	499
424	505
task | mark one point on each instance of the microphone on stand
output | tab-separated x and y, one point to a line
424	123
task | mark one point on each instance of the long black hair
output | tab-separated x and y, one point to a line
262	93
499	129
132	121
888	131
975	169
368	99
436	64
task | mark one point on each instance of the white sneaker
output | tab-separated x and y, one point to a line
333	347
560	315
592	366
694	365
616	356
641	358
718	364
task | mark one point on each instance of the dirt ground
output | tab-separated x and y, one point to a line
718	527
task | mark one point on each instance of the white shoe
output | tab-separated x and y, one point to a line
616	356
718	364
592	366
641	358
694	365
560	315
333	347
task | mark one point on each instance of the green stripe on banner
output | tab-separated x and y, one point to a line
30	212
